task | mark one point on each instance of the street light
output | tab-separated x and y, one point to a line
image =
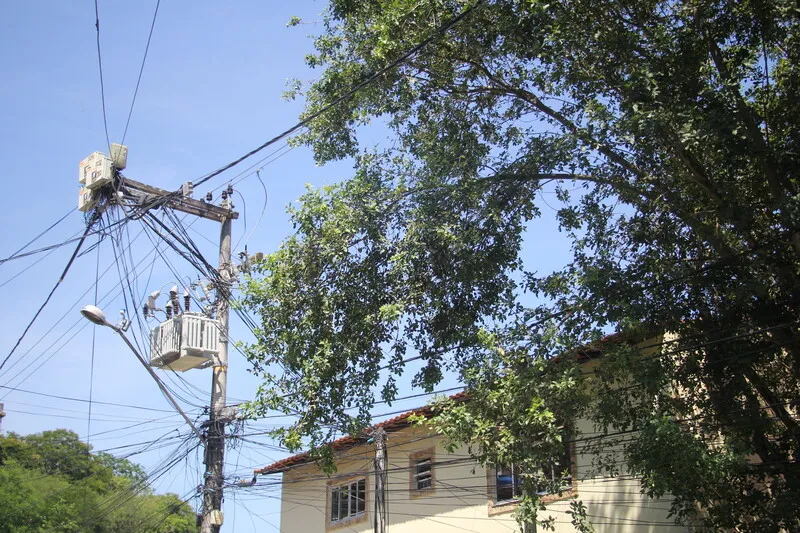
96	316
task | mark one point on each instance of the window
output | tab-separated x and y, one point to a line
421	472
508	479
508	483
348	500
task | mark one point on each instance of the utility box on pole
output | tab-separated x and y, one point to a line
95	171
119	156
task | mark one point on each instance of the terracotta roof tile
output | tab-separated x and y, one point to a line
392	424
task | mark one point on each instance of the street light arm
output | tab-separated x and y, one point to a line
157	380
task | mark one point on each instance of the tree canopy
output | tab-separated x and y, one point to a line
668	133
51	482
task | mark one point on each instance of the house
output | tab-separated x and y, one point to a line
430	489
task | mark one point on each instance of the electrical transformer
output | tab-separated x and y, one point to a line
186	341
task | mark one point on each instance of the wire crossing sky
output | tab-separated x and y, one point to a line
187	90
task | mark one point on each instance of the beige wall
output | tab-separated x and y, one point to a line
460	499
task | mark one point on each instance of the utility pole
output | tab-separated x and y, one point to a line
2	415
381	482
215	450
219	416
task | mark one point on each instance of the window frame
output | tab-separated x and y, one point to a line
414	460
569	490
336	486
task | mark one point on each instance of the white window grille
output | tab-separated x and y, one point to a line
348	500
423	474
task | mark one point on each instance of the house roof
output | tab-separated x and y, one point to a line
400	421
596	348
390	425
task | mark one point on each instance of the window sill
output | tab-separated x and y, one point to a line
346	522
420	493
508	506
505	506
566	494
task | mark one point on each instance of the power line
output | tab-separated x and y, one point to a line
53	225
39	250
116	419
83	400
100	67
94	336
176	378
21	272
141	70
301	124
147	444
260	216
122	497
160	201
75	238
349	93
46	409
77	302
120	260
91	223
79	321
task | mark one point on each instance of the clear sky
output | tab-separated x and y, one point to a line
209	93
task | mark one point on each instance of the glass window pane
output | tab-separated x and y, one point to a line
504	481
354	498
362	496
556	474
423	473
344	500
566	463
334	505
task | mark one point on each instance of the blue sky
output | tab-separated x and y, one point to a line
209	93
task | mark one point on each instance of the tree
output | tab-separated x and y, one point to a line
24	507
668	132
51	482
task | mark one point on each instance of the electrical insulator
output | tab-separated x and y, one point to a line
168	310
224	195
209	197
145	311
173	298
229	190
186	299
